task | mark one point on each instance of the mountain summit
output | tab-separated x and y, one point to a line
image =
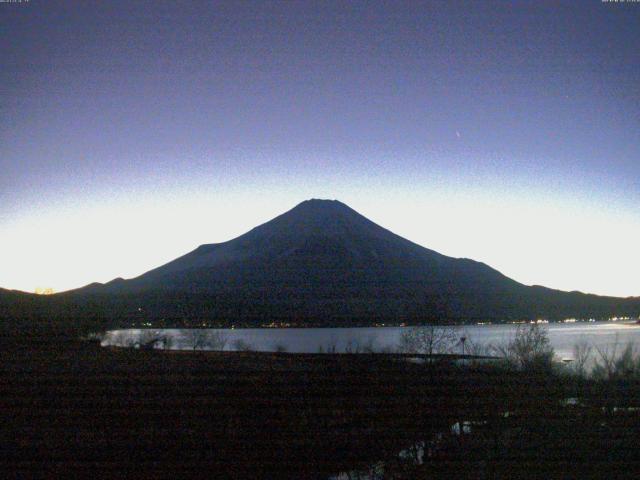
320	263
324	263
318	246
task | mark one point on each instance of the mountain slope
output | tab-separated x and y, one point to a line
323	263
323	244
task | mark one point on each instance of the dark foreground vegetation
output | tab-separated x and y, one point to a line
73	408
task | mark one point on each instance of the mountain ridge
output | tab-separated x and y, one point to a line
322	263
314	228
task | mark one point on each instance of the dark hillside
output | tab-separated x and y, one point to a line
320	263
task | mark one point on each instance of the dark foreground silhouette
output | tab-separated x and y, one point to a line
71	407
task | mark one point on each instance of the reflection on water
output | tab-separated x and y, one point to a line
563	337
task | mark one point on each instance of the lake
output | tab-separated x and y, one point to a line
563	337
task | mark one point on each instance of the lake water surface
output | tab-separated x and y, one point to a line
563	337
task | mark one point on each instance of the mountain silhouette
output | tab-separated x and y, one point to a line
322	263
318	246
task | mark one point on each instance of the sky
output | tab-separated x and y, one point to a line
507	132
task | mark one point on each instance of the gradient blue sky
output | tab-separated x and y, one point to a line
506	132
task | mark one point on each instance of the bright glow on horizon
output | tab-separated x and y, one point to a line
527	238
505	135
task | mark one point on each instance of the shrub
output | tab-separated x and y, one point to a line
529	349
582	351
242	345
355	346
429	339
201	339
610	365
